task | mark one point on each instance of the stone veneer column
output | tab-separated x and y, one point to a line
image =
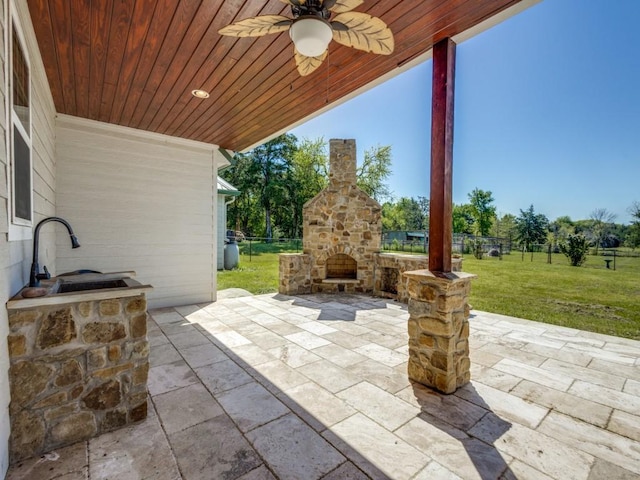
439	329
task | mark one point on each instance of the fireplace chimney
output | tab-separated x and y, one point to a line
342	162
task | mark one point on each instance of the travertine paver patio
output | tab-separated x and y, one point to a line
315	387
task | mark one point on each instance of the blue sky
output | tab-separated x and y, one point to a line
547	113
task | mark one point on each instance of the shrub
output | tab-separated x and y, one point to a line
477	245
575	249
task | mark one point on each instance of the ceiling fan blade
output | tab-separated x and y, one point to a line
257	26
295	3
364	32
342	6
307	65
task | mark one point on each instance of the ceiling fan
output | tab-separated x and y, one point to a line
312	28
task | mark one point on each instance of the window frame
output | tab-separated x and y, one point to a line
18	228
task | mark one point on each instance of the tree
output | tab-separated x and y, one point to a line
504	227
531	228
462	219
633	235
305	178
482	211
575	248
559	230
245	212
406	214
601	219
374	172
271	162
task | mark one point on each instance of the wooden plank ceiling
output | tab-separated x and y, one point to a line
135	62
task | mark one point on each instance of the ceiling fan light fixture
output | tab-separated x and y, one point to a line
311	35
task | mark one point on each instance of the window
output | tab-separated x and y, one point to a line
19	137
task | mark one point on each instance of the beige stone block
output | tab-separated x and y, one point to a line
428	341
140	374
114	419
450	303
114	353
139	412
54	399
23	317
446	383
28	380
436	327
103	332
76	391
136	305
419	372
71	372
104	396
85	309
109	308
74	428
112	371
97	358
58	328
61	411
17	345
27	435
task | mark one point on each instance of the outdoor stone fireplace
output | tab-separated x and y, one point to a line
341	234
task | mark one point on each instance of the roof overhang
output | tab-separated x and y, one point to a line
135	63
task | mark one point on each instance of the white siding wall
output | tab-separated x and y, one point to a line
15	256
139	201
222	230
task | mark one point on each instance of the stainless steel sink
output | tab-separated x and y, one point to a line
66	287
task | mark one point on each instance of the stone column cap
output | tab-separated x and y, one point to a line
446	276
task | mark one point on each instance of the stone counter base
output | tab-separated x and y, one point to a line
77	370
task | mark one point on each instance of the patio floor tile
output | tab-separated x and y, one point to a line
293	450
185	407
376	450
272	387
135	452
251	405
384	408
213	449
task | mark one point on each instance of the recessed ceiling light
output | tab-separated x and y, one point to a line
200	93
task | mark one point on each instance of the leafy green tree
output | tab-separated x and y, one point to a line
531	228
632	239
245	212
504	227
462	219
601	220
307	175
374	172
406	214
482	210
559	230
271	162
575	248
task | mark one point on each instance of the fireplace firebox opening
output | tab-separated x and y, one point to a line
342	266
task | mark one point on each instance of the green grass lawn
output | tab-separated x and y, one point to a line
589	298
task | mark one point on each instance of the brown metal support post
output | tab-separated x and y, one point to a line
440	210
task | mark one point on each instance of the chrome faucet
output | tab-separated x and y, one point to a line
36	276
